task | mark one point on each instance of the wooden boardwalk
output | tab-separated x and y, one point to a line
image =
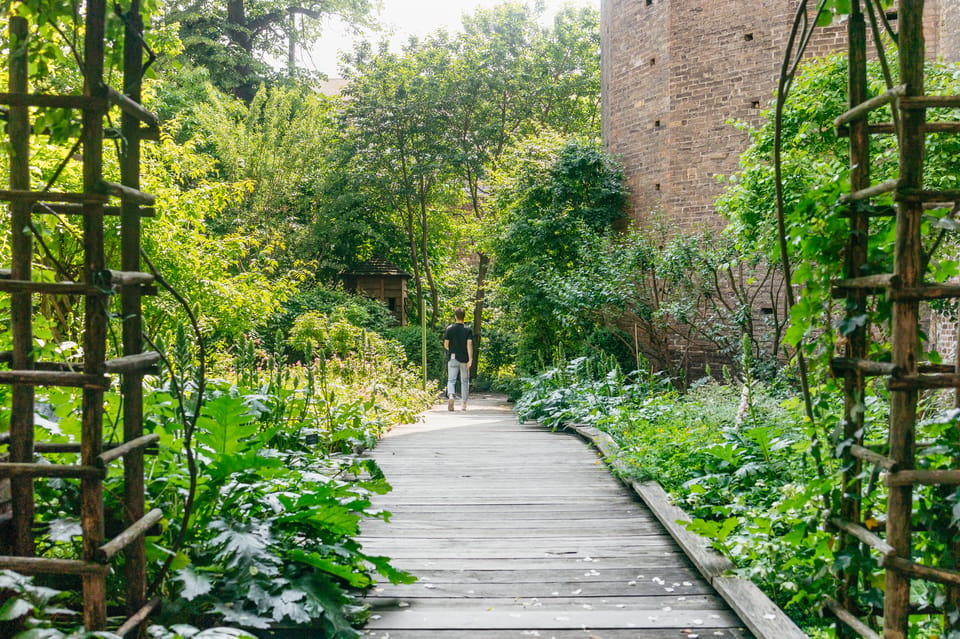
516	531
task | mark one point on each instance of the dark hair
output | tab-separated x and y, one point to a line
459	313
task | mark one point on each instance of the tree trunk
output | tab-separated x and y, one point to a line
428	272
479	299
238	31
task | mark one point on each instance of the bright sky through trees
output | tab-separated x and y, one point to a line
403	18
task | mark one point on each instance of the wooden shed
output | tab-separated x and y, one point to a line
381	280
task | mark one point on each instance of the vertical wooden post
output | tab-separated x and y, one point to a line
130	301
951	622
905	324
95	314
21	304
856	347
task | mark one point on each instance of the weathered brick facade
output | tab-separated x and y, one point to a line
676	73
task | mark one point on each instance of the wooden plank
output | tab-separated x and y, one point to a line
638	562
687	591
762	617
506	633
759	613
677	565
530	613
505	541
708	562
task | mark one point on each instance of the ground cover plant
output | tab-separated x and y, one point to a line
734	457
266	466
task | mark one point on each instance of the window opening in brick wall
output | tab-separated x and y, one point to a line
649	2
656	186
755	104
653	61
748	37
656	124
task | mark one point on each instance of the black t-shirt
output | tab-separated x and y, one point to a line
458	335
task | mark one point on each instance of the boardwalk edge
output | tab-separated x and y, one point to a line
761	616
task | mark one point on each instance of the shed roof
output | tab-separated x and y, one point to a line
378	266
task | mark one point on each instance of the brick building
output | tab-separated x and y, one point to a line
675	73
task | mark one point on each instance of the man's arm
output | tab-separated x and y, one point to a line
469	352
446	345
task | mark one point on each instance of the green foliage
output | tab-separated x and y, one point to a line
332	303
238	41
279	144
411	338
29	612
227	277
736	461
558	198
280	493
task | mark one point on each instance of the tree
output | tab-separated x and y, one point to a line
280	143
559	198
393	136
512	78
237	39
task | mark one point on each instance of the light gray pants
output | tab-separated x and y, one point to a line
455	368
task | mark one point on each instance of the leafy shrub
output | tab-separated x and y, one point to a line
331	303
410	338
29	611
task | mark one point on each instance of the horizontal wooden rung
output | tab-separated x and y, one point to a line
888	128
127	193
863	109
872	191
124	278
929	292
127	447
851	620
929	195
23	469
924	382
47	288
865	366
6	357
138	617
55	378
919	571
867	455
132	363
879	211
924	478
937	368
77	209
881	280
136	530
132	108
51	196
44	566
52	101
71	447
859	532
931	102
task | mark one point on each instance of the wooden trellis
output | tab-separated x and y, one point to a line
907	375
96	289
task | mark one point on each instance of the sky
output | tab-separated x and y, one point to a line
405	18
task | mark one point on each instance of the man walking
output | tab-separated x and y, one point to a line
458	342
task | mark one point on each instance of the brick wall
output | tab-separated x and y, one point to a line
948	27
676	73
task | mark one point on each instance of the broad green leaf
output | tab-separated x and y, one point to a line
194	584
348	573
15	608
224	423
